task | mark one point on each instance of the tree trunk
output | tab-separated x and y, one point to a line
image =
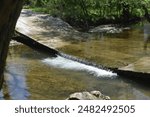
125	13
9	13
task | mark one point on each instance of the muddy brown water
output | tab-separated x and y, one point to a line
33	75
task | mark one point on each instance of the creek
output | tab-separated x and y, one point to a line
33	75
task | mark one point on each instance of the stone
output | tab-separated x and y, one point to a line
93	95
110	29
141	65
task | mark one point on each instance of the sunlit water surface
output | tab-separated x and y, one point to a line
33	75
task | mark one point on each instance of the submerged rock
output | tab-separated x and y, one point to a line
93	95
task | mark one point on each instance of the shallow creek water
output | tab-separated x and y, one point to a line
32	75
111	50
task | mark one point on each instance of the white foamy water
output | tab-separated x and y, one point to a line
64	63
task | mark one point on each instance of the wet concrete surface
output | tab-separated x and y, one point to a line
142	65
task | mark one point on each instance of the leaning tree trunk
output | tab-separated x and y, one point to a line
9	13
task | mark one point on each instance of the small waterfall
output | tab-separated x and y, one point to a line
61	62
73	58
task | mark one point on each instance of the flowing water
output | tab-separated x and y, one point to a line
32	75
61	62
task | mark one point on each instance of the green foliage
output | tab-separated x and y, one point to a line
93	11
